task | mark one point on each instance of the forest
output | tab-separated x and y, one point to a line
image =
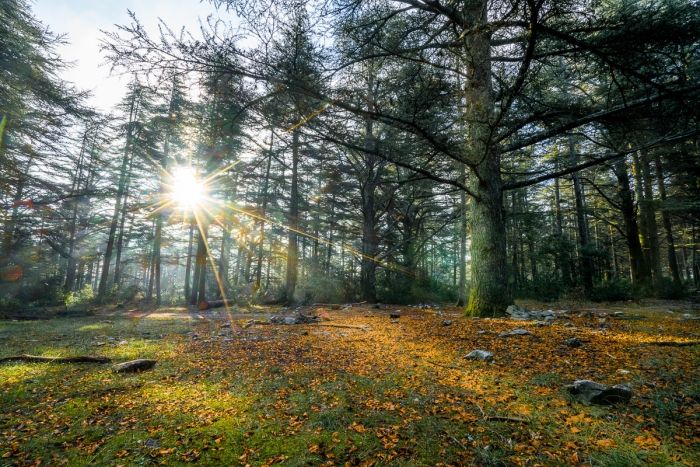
402	169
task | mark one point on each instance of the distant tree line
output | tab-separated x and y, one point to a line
396	151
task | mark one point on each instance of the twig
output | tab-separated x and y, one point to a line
39	359
450	367
502	418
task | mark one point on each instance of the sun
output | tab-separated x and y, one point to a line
187	190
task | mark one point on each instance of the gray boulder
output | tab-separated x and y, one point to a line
483	355
590	392
515	332
135	366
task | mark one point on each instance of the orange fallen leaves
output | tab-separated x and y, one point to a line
647	442
606	443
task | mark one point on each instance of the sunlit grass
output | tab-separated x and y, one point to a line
339	395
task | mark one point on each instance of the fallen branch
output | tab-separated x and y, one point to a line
346	326
449	367
674	344
502	418
39	359
253	322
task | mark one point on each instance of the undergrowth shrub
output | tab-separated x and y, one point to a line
543	288
416	290
613	290
80	297
320	288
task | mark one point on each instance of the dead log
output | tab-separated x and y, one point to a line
134	366
209	304
39	359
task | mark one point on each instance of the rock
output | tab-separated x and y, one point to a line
517	312
123	343
151	443
447	322
135	366
395	315
515	332
545	322
483	355
617	314
225	325
622	371
574	342
590	392
296	318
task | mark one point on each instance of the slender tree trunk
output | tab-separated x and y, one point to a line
462	260
329	250
562	252
202	261
200	271
118	266
638	264
666	219
586	262
223	261
188	264
368	265
121	185
263	213
11	224
293	219
652	228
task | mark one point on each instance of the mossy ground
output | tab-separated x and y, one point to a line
396	393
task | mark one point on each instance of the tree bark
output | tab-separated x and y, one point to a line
188	263
649	212
638	264
586	262
462	290
666	218
263	213
121	185
293	219
489	292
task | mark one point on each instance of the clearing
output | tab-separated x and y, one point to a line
375	391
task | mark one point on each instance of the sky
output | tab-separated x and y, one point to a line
82	21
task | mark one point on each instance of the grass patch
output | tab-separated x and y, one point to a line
394	395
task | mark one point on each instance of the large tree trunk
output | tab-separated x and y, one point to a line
293	219
489	292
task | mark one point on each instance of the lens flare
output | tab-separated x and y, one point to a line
187	191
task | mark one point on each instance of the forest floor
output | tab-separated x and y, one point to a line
378	392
